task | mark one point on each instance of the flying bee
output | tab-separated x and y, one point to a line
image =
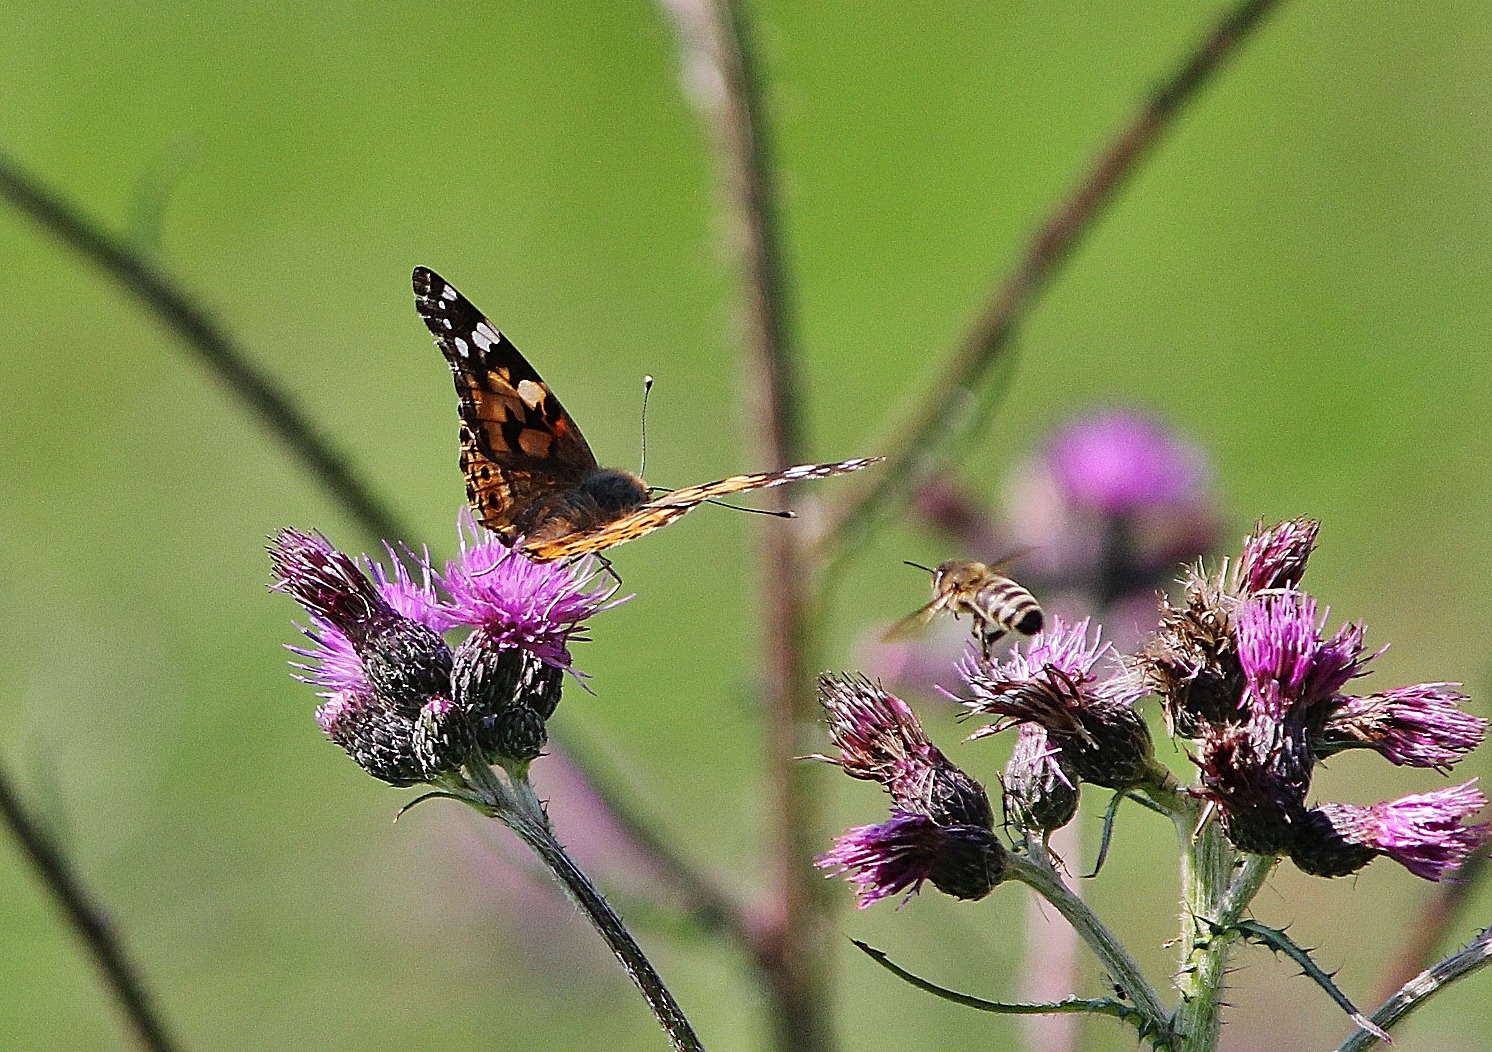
996	603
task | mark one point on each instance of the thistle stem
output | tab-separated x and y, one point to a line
1213	901
1122	968
514	802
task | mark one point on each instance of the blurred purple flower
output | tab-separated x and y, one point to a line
1119	462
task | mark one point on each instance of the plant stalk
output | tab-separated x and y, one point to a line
515	803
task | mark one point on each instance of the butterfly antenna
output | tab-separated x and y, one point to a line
908	562
647	389
733	507
756	511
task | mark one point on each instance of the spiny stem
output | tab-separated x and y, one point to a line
1213	898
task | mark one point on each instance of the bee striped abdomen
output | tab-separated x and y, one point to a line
1007	607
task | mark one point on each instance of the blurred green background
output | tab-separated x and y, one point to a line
1299	280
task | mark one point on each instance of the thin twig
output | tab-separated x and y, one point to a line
1475	955
191	324
920	449
793	954
87	920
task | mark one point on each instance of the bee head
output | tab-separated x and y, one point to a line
958	575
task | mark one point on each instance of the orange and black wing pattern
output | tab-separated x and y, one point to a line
518	445
673	506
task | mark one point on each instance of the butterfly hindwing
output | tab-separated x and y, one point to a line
518	445
674	505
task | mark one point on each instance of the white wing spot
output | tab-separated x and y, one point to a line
483	336
460	345
531	393
445	323
448	294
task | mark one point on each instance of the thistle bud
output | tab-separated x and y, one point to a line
443	739
517	734
379	739
1041	788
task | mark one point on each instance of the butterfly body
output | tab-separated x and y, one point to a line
531	477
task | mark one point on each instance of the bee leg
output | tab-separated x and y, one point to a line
1108	833
989	635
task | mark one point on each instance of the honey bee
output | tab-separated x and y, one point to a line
996	603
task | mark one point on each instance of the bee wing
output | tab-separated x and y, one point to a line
1014	557
916	620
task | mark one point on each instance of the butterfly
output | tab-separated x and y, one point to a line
530	476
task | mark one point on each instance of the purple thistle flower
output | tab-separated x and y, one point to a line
1049	680
899	855
414	599
517	602
1120	462
1290	667
881	740
1275	557
333	663
1423	833
1418	726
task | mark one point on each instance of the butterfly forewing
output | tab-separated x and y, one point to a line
529	472
674	505
518	445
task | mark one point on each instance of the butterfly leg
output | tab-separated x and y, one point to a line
608	569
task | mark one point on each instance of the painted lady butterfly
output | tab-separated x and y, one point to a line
530	476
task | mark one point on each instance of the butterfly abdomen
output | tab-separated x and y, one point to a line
603	495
